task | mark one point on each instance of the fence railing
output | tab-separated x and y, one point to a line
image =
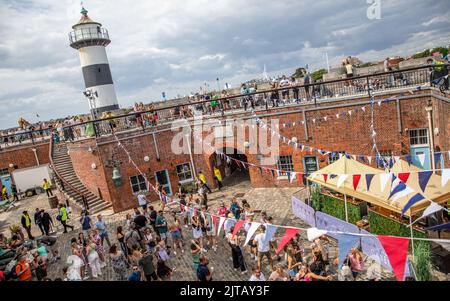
276	97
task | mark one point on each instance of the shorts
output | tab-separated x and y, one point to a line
144	207
197	233
262	254
211	232
176	234
163	235
151	276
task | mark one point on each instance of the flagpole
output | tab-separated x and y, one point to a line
412	237
346	212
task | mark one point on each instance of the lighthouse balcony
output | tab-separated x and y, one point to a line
84	37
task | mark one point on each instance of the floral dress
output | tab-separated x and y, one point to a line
120	266
98	245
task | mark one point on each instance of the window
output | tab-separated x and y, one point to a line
285	163
334	156
4	171
418	136
138	183
184	172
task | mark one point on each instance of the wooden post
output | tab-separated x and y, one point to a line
346	211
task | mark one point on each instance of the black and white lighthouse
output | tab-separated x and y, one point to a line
91	39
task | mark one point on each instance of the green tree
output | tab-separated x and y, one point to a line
299	72
318	74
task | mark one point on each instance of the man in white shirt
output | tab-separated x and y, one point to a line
263	247
142	200
257	275
284	82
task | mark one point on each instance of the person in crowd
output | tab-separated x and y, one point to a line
14	193
152	216
284	83
175	232
63	217
263	247
295	89
202	178
356	262
163	272
86	224
47	221
94	260
218	177
140	220
73	270
142	200
257	275
97	240
147	267
23	269
318	266
274	95
136	255
135	275
119	262
222	210
197	232
203	272
207	222
306	83
101	227
196	251
236	251
305	274
235	208
47	187
345	274
150	240
132	238
121	239
230	222
26	223
292	264
161	226
279	274
38	220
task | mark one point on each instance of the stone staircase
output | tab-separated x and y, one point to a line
63	165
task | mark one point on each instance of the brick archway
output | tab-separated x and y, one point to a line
228	169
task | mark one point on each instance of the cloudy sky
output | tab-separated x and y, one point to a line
176	46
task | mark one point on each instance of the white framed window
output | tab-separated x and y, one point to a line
4	172
418	137
184	172
138	183
285	163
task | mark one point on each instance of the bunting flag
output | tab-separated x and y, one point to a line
356	179
445	176
325	176
273	173
289	176
341	179
434	207
314	233
215	221
345	244
396	249
416	198
238	226
400	187
421	158
363	109
424	177
408	159
396	158
270	232
384	178
290	232
292	176
369	178
253	227
369	158
221	221
403	176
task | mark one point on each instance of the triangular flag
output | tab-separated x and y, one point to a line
350	112
341	180
354	157
384	178
253	227
434	207
403	176
221	221
402	193
290	232
289	176
345	244
363	108
325	176
421	159
313	233
396	158
424	177
356	179
340	155
369	178
401	186
292	176
396	249
270	232
273	173
369	158
337	116
238	226
445	176
408	159
379	103
416	198
214	221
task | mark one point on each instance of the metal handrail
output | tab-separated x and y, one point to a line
201	102
50	156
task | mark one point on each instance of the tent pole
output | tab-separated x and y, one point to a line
346	211
412	238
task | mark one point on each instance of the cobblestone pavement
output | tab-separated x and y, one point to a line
275	201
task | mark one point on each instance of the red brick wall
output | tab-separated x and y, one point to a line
23	156
82	159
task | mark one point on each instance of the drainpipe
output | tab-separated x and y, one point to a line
429	109
156	146
35	155
188	140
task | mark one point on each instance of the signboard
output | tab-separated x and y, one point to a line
372	247
303	212
331	223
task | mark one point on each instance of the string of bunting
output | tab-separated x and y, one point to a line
396	247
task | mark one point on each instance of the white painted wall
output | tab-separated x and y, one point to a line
31	177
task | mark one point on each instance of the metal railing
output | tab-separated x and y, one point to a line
314	93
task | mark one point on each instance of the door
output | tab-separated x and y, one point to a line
420	152
6	181
162	177
310	165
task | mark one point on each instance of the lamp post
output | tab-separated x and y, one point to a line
429	109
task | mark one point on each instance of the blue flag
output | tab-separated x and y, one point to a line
424	177
437	159
401	186
345	244
270	232
408	159
416	198
369	178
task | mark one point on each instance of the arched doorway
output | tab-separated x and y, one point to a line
232	172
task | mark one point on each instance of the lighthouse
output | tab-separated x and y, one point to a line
91	39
